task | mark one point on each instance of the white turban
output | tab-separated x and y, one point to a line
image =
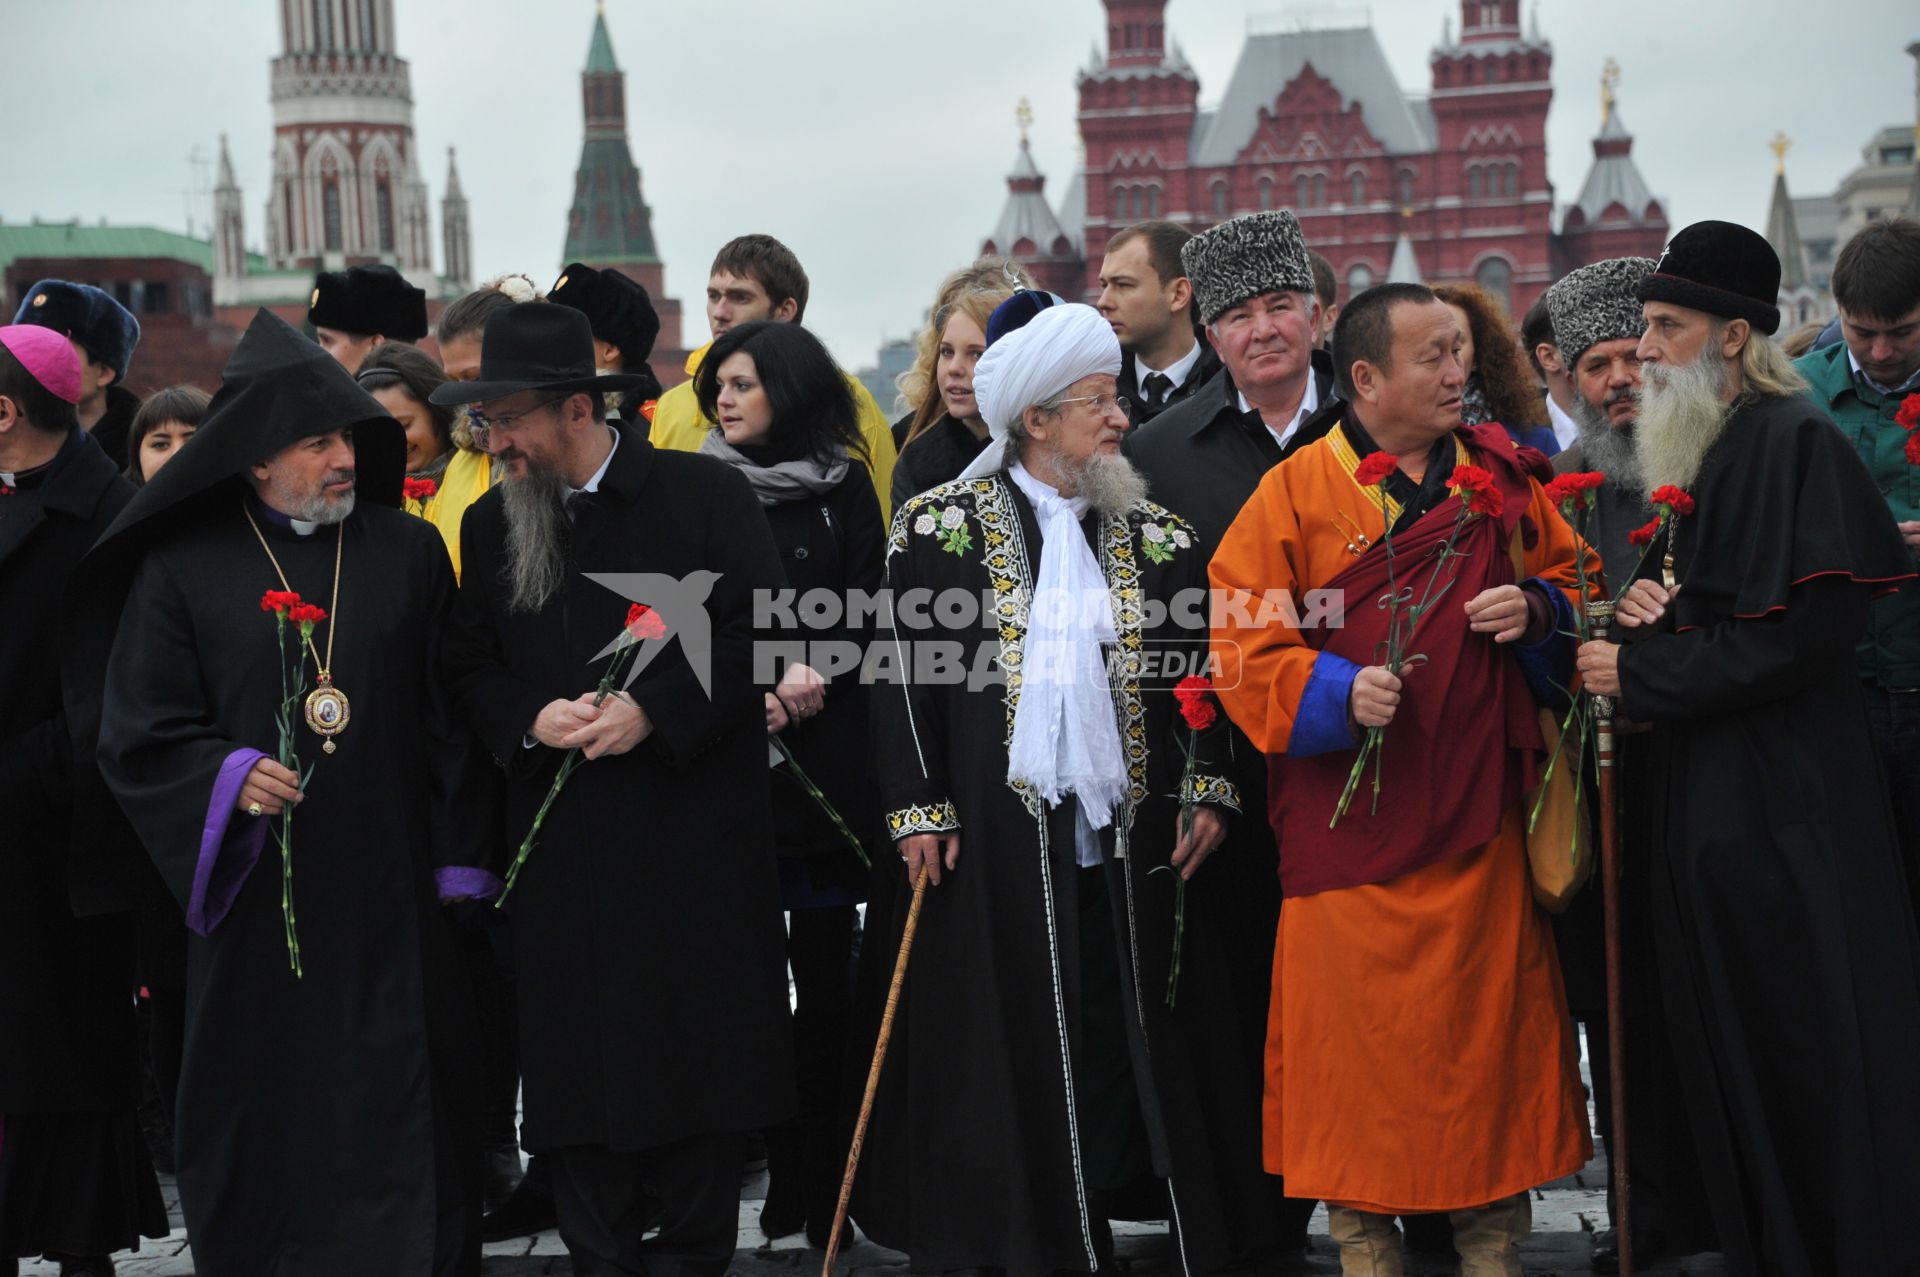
1030	365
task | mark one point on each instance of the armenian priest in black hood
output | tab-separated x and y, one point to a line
320	1107
1777	901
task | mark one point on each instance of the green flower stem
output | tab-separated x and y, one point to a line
806	782
615	667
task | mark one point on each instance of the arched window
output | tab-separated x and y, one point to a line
1359	278
1496	276
1153	201
1406	188
1119	203
383	211
1302	188
1513	179
1493	72
1473	182
1357	195
1135	204
1318	191
330	213
1220	201
1266	193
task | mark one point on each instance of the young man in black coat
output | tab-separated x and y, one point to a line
649	947
75	1183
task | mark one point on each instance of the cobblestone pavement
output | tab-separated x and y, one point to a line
1564	1217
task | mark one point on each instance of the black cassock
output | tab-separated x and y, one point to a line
1778	905
1037	1080
319	1119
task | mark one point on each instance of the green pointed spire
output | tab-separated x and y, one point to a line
600	53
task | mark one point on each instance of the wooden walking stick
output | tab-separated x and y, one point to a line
873	1072
1600	617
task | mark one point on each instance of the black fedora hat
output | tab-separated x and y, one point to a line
536	346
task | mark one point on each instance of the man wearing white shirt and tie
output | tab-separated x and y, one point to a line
1146	298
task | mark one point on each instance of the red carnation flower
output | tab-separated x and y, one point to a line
1644	536
1909	414
418	489
1475	486
1375	469
306	614
1913	449
645	623
1674	499
278	600
1195	695
1568	490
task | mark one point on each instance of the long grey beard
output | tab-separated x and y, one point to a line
1606	447
537	531
1682	414
1109	483
311	506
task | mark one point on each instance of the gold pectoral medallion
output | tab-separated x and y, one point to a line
328	711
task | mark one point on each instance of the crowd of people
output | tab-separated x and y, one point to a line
437	772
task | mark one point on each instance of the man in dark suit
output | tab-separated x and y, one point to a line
649	945
1147	299
1253	284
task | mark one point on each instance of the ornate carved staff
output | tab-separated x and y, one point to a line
1600	618
873	1072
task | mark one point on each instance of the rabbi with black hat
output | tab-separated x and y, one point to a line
649	950
625	326
104	334
356	309
322	1113
1778	907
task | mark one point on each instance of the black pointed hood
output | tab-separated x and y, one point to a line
278	389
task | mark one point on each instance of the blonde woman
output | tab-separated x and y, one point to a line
944	431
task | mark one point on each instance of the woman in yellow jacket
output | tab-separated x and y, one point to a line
445	472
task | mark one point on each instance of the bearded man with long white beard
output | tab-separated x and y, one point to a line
1790	966
1043	1084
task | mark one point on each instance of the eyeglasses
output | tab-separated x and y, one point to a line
482	425
1104	404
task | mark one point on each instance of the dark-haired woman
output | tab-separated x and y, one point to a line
161	428
439	449
786	420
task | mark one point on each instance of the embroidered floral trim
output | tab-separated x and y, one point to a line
1213	791
1123	586
948	526
922	818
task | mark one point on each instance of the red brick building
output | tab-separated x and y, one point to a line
1316	122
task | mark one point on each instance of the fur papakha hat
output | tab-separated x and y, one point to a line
1598	303
1248	256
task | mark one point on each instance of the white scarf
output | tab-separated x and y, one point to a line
1065	737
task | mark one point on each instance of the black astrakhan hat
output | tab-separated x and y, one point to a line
535	348
87	315
368	300
1720	268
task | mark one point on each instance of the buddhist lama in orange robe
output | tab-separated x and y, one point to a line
1419	1055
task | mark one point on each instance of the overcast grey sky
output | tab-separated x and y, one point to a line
873	136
